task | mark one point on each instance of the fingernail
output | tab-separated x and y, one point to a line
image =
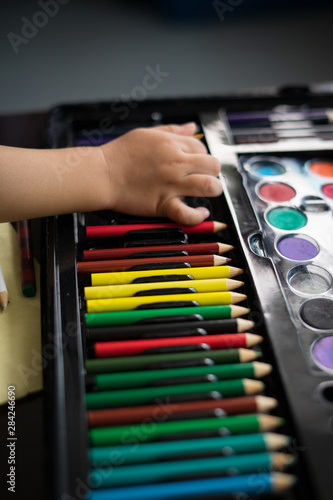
191	126
204	211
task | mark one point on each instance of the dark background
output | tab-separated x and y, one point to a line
92	50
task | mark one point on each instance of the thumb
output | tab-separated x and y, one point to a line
177	211
189	128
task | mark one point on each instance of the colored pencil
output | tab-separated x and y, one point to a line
149	395
192	328
190	409
3	292
103	266
132	347
196	273
238	424
183	375
198	136
121	230
132	317
265	483
177	450
125	252
203	467
200	286
154	361
27	260
132	303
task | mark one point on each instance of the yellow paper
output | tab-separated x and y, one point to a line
20	328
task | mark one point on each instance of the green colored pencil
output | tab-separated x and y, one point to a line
239	424
132	317
141	396
153	361
125	380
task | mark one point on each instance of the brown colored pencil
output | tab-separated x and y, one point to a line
179	411
102	266
125	252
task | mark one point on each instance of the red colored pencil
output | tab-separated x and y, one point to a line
104	266
122	229
131	347
231	406
122	253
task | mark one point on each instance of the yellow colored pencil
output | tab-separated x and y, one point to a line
131	303
197	273
129	290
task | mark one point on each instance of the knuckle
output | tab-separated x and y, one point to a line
215	165
201	147
212	186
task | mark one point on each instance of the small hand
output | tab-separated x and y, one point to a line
151	170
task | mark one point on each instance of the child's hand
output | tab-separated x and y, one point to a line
151	170
145	172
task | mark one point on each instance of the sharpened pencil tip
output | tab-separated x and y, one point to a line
237	297
218	226
223	247
4	300
282	481
235	271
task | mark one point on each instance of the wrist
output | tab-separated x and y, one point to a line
96	179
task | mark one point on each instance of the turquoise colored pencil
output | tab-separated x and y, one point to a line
168	471
173	450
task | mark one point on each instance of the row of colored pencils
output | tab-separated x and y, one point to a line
174	389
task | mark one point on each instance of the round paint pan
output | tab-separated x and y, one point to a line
260	167
320	167
276	192
286	218
327	190
318	313
297	247
322	353
312	203
309	280
325	390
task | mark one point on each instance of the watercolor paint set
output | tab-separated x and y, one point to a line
196	362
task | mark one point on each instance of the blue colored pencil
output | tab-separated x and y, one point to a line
250	484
